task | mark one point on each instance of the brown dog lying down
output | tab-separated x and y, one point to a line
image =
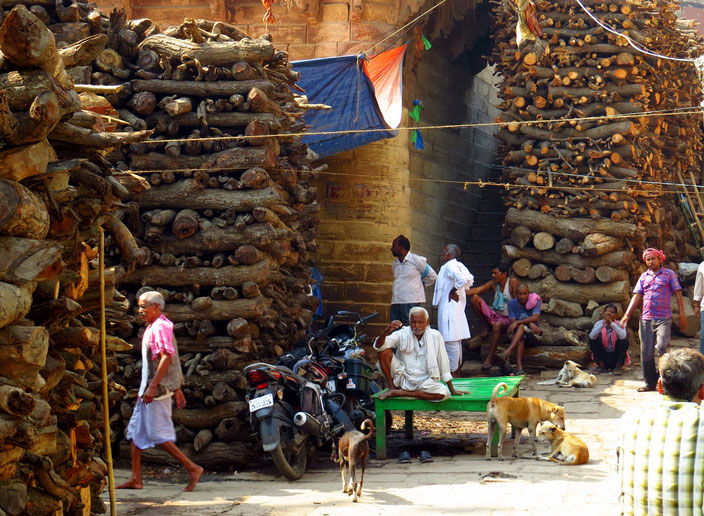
521	413
566	448
354	449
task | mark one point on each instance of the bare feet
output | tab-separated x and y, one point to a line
131	484
193	478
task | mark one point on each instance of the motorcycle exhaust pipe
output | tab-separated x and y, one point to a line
307	423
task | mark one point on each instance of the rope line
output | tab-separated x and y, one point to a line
681	111
637	46
414	20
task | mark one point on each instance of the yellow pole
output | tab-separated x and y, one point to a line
103	353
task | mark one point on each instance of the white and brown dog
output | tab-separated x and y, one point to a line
521	413
571	376
353	449
566	449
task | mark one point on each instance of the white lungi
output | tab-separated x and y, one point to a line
151	425
403	381
454	353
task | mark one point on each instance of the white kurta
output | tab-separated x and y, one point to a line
452	321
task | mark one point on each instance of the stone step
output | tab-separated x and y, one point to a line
485	231
489	217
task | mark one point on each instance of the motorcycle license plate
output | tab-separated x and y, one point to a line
331	385
262	402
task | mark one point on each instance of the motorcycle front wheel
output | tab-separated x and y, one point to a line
290	462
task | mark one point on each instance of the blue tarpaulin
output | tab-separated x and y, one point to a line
341	83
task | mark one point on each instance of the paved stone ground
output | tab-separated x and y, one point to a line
456	482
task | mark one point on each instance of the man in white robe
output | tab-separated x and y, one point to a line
414	361
451	300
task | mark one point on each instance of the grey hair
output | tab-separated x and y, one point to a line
682	373
454	250
153	298
418	310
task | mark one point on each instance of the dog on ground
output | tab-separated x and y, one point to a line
521	413
353	449
572	376
567	449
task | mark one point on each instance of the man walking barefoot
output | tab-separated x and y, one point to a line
655	287
151	424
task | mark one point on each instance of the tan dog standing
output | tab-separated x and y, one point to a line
353	449
521	413
567	449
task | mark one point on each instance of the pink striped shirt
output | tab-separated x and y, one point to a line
160	337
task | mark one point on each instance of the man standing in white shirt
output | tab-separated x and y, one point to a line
411	275
696	301
451	299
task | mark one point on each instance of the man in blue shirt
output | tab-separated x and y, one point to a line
523	315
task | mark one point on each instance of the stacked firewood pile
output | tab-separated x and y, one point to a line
56	190
229	219
588	194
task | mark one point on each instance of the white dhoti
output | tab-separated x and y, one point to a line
403	381
454	354
151	425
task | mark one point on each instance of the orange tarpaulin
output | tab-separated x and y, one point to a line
385	72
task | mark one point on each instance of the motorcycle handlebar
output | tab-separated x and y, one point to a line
369	317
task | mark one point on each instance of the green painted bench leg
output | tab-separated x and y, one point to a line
380	432
408	426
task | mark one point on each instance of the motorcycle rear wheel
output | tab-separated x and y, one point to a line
291	463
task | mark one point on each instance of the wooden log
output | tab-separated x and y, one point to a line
597	244
223	360
563	272
23	86
200	89
83	52
33	126
217	456
228	430
22	213
615	259
521	267
607	274
521	235
583	275
13	496
18	163
23	351
617	291
185	223
693	322
23	259
543	241
563	308
15	401
214	239
574	229
538	270
220	310
223	392
210	53
221	119
189	193
81	337
568	323
15	303
202	439
238	158
259	102
130	253
554	357
208	418
564	246
203	276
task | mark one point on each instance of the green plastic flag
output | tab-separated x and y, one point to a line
426	43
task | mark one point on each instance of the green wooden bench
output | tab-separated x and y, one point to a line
480	390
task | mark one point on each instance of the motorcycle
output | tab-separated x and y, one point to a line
292	411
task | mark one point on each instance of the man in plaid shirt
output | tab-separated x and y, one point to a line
655	287
660	449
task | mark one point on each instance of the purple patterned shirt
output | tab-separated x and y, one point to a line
657	289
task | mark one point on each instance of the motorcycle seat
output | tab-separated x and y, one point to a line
287	371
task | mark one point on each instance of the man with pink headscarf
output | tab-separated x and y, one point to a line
655	288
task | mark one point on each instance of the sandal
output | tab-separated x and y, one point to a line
518	372
425	457
486	367
646	388
404	458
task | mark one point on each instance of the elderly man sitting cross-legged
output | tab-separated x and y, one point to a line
420	365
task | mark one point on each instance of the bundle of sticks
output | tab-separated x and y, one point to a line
229	218
56	191
591	187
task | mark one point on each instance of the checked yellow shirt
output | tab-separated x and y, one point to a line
661	460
